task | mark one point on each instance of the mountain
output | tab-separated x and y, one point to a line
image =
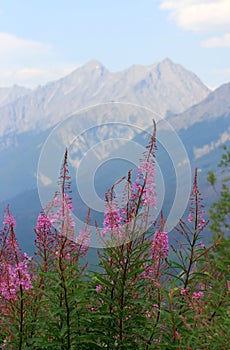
164	87
203	129
214	106
205	126
10	94
200	117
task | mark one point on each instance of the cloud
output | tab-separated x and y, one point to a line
223	41
206	16
11	45
226	71
34	76
28	62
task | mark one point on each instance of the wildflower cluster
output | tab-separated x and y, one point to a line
14	278
146	291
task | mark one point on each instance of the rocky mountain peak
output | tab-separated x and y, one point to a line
10	94
165	87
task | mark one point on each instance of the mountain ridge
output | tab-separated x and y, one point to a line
200	126
164	87
12	93
215	105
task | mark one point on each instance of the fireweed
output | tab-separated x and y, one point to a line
138	297
60	272
15	285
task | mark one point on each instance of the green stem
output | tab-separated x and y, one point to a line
21	318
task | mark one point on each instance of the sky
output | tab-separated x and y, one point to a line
43	40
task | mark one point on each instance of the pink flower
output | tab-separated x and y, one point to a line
190	217
112	221
160	251
203	286
201	222
98	288
202	246
184	291
198	295
61	215
112	216
14	278
43	223
160	247
146	177
149	195
196	207
9	220
83	240
67	256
